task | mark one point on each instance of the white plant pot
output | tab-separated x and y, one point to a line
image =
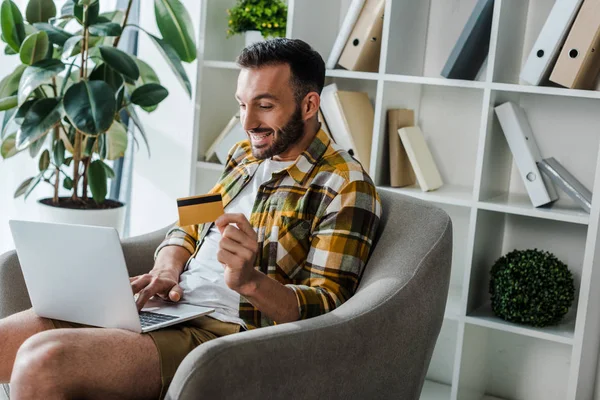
112	217
252	37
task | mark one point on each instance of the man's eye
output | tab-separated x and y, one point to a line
265	107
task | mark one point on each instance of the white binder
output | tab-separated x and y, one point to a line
428	175
344	33
550	40
525	152
335	120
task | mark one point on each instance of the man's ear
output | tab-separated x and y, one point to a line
310	105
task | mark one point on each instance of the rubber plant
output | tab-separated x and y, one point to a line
65	101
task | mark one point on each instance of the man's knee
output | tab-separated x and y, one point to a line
40	357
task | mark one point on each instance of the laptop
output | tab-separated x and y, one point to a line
77	273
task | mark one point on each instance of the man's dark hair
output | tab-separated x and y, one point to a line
306	65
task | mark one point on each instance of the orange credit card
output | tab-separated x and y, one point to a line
199	209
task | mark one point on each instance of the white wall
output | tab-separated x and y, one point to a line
160	179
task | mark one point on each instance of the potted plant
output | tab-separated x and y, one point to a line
66	101
257	19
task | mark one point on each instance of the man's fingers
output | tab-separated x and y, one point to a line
176	293
239	219
140	282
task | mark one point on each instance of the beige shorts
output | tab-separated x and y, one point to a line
175	342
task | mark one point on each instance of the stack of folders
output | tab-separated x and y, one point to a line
357	46
229	136
471	48
349	118
539	174
565	51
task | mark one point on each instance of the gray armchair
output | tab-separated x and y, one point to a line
377	345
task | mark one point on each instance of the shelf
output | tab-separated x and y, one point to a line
554	91
424	80
210	166
435	391
220	64
342	73
520	204
484	316
447	194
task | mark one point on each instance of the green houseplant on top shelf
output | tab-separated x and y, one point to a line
64	103
257	19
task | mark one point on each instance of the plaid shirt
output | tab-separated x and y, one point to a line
316	221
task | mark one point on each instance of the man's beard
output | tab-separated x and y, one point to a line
287	136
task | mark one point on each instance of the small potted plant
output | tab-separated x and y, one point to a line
66	101
257	19
531	287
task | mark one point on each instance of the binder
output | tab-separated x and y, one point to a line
401	171
567	182
358	116
363	48
229	136
340	41
525	152
420	158
578	62
472	47
550	40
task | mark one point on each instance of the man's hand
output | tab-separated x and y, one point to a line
238	250
163	280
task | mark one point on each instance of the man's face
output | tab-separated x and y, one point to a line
269	112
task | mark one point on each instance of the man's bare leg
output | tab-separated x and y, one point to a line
14	330
86	363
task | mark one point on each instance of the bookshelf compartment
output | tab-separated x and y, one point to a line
217	105
564	128
438	380
217	46
496	234
511	367
449	118
520	23
422	35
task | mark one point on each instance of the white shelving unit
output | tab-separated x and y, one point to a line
478	355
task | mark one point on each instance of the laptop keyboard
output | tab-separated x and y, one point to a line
149	318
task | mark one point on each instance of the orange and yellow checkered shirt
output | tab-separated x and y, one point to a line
316	221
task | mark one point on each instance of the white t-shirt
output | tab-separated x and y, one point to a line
203	282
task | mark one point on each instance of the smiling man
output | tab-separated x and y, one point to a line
300	219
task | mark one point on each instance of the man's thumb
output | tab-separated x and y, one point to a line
175	294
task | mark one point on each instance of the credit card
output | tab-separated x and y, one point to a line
199	209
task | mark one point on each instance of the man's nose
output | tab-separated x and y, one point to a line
249	120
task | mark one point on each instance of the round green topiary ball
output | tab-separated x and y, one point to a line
531	287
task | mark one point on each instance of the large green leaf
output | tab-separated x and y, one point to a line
67	9
23	187
97	179
147	75
70	44
9	148
105	29
105	73
93	12
149	94
22	111
7	121
56	35
7	103
116	141
34	48
174	63
136	120
35	147
40	118
120	61
13	29
36	74
9	51
176	27
40	10
9	85
58	152
90	106
33	184
44	161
